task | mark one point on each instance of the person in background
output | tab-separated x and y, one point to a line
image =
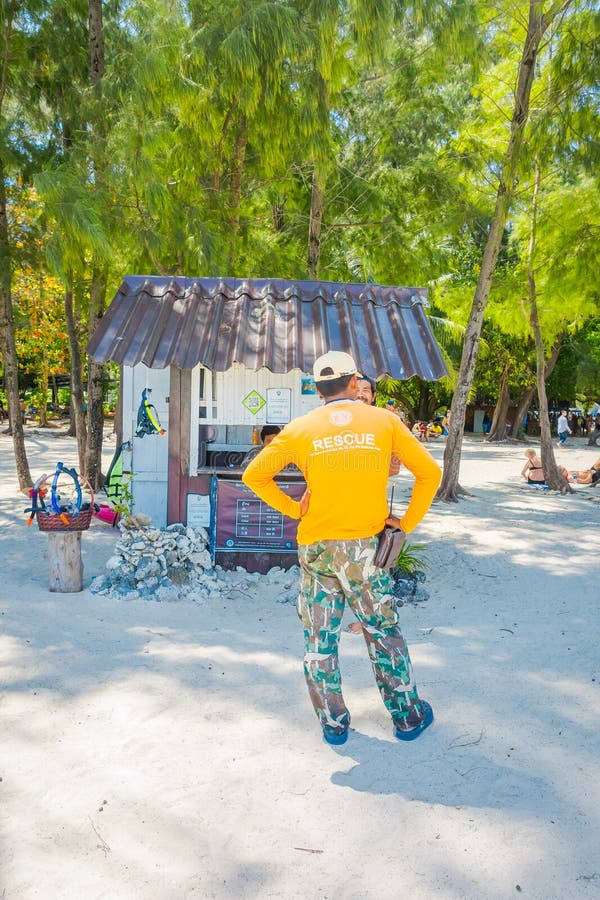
583	476
532	471
446	423
573	424
343	449
367	389
267	433
562	426
367	393
420	430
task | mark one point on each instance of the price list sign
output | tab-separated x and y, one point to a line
255	520
246	523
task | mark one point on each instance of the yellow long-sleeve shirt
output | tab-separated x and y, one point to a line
343	450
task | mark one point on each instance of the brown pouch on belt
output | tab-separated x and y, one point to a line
391	541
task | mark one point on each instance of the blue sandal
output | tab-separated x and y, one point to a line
333	737
418	729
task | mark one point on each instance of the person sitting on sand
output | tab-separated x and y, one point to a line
532	471
420	430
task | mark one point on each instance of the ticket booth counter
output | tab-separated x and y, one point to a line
227	412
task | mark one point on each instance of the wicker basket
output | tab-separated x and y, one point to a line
67	521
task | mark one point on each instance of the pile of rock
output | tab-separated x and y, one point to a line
159	564
174	564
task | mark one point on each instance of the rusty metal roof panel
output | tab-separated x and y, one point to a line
272	323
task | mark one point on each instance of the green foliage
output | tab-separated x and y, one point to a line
79	229
411	560
125	504
198	158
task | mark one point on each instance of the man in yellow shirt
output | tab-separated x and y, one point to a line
344	450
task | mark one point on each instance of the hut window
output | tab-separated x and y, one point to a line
207	395
214	394
202	394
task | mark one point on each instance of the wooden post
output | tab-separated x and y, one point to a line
65	563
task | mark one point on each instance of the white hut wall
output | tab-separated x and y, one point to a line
218	401
150	453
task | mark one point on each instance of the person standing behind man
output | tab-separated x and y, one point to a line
344	450
267	433
367	393
563	428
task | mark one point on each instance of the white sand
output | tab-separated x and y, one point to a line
166	751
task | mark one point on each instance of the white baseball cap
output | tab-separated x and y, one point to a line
337	362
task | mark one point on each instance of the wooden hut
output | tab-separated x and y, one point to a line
223	357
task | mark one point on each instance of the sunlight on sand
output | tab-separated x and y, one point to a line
224	655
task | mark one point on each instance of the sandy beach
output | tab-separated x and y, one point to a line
165	751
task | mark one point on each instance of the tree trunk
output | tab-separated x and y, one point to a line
317	199
216	176
77	414
92	467
95	41
7	323
119	411
235	193
498	429
278	210
95	383
8	345
450	489
72	429
523	405
43	390
424	413
554	479
527	395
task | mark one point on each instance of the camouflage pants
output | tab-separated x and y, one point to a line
333	572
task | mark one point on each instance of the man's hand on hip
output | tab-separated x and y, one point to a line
304	502
394	521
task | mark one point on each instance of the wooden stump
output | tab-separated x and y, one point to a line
65	563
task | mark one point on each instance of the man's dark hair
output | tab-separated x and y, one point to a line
269	429
335	386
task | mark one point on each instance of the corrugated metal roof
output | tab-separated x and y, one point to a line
272	323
